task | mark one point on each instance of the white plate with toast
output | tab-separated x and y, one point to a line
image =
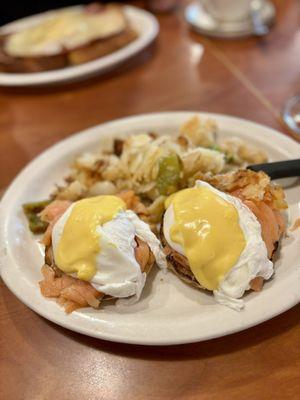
141	22
169	311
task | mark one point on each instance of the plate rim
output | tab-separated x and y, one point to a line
222	33
116	337
88	69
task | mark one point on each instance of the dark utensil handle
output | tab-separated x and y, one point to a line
279	169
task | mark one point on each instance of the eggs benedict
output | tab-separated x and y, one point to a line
215	241
97	248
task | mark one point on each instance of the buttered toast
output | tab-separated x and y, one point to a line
66	37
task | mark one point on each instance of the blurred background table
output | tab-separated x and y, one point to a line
250	78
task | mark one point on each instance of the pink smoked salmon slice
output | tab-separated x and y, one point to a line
51	214
70	292
271	222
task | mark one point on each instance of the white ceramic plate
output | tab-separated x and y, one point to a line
142	21
169	312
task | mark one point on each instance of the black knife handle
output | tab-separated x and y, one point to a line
278	169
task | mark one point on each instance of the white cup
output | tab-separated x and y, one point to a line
228	10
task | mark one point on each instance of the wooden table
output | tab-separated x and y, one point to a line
249	78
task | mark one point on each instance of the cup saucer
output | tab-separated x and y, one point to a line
201	21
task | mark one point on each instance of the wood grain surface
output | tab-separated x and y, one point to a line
249	78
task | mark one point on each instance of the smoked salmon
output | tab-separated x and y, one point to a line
70	292
271	222
51	213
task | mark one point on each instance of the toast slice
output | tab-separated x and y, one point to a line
100	47
66	38
13	64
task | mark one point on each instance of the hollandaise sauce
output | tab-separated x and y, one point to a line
207	227
80	242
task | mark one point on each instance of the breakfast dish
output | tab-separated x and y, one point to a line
53	47
223	240
219	236
167	305
68	37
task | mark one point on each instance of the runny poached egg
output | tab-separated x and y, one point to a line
221	239
94	240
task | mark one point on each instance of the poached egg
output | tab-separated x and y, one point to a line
221	239
94	240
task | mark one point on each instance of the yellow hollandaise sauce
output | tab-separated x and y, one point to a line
80	243
207	227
